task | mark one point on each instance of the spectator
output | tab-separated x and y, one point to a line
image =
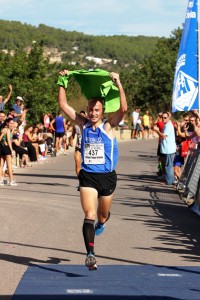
3	102
67	140
146	125
34	139
168	146
139	128
122	125
17	108
2	118
19	150
11	113
161	157
59	126
22	119
135	117
77	153
27	139
46	121
7	151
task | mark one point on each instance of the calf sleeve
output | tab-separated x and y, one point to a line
89	234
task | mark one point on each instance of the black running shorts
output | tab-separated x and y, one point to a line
59	134
104	183
5	150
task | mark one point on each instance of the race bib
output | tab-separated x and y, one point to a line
94	154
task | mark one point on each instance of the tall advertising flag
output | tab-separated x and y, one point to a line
185	91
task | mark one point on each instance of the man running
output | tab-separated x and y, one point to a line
99	151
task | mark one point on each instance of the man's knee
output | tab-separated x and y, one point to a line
90	215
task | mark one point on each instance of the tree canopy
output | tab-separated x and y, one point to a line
147	76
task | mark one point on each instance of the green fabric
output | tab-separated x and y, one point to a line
95	83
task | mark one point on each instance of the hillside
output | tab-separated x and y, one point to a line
75	47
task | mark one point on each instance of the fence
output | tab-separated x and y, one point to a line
189	183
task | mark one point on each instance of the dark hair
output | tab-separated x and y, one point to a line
190	127
165	112
27	127
82	112
8	120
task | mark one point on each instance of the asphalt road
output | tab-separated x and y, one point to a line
41	218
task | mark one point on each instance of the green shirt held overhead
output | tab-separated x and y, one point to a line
95	83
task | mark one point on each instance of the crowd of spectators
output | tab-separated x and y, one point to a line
25	144
174	139
30	144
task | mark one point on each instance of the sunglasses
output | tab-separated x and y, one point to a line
164	117
187	120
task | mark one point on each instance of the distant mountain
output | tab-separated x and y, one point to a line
72	46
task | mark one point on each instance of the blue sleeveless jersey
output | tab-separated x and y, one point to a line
99	152
59	124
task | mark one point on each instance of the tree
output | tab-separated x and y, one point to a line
154	76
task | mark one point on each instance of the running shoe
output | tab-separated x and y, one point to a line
100	227
13	183
2	182
90	262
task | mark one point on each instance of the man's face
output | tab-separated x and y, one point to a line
95	110
165	118
2	117
1	98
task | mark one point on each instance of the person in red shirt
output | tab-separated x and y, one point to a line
161	157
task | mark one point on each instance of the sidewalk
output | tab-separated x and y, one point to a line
41	218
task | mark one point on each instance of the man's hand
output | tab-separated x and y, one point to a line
115	77
155	128
64	72
10	87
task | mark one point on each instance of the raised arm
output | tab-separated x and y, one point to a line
9	94
119	114
67	109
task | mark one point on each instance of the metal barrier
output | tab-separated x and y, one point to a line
189	183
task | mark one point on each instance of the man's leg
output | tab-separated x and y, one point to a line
89	202
103	213
169	169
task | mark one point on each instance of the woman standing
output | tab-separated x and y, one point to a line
7	151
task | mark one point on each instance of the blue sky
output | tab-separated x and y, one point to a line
100	17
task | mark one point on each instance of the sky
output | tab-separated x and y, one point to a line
100	17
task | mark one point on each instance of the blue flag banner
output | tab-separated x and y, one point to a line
185	91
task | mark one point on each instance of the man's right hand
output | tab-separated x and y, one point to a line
63	72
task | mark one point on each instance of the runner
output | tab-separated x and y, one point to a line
99	151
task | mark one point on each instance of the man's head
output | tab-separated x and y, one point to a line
2	116
95	109
186	118
11	112
165	117
19	100
1	98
